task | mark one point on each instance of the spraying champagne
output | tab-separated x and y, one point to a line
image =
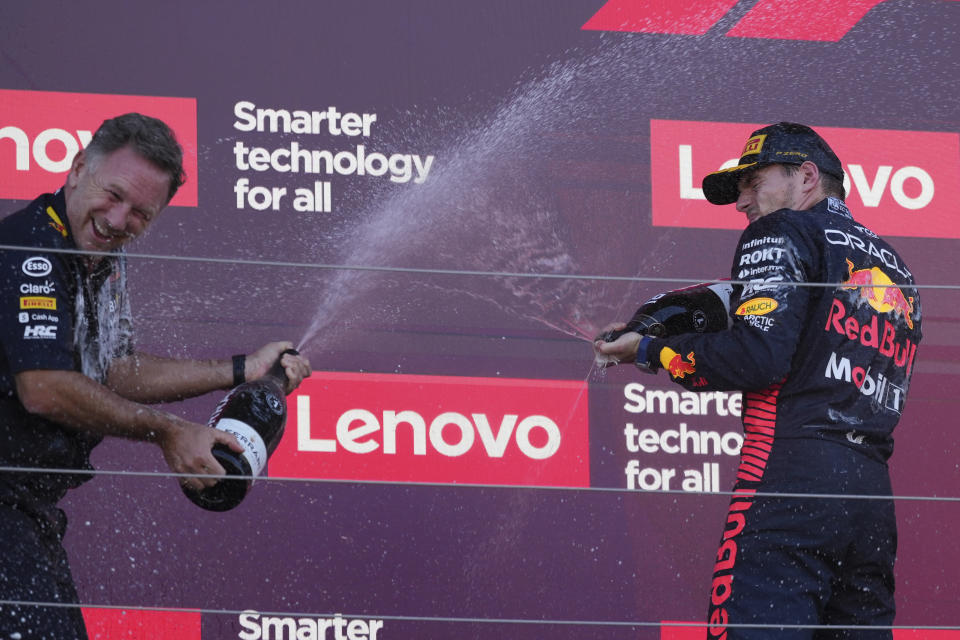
697	309
255	414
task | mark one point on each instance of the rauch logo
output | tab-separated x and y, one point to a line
41	132
900	183
409	428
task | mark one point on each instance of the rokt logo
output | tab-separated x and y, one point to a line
773	19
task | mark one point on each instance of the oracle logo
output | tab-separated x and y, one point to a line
39	139
898	182
438	429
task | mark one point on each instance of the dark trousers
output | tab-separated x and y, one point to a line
34	569
807	562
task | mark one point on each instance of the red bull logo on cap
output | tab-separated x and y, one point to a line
879	291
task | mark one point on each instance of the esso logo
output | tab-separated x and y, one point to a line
37	267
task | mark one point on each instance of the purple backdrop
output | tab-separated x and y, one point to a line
540	134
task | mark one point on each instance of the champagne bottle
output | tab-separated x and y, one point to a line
697	309
255	414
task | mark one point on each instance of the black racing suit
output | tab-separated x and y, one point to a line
55	314
825	372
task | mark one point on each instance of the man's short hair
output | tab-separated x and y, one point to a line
149	137
832	185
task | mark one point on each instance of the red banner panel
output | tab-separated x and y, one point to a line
673	631
824	20
413	428
41	131
689	17
817	20
899	183
106	624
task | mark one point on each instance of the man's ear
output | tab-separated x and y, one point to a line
79	164
811	175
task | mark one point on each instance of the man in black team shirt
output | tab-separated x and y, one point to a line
825	373
69	373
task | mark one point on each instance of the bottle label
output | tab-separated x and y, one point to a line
255	450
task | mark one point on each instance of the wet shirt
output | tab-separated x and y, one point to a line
55	314
831	362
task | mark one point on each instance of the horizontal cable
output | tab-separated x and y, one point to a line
458	485
474	620
498	274
450	272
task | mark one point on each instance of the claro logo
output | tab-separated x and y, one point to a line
41	132
900	183
437	429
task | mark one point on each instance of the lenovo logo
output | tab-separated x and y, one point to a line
774	19
437	429
901	183
41	132
361	431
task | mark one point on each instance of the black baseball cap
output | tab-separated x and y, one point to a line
781	143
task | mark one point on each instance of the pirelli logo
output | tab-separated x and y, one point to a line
754	145
38	302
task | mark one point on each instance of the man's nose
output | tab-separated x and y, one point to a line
743	201
117	216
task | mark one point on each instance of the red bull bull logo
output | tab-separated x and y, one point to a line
879	291
56	222
676	365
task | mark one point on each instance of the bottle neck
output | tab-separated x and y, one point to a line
277	371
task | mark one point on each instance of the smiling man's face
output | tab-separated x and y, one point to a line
112	199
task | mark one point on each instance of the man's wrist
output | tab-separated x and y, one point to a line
646	360
239	369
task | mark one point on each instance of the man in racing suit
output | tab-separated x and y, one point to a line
825	372
69	373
